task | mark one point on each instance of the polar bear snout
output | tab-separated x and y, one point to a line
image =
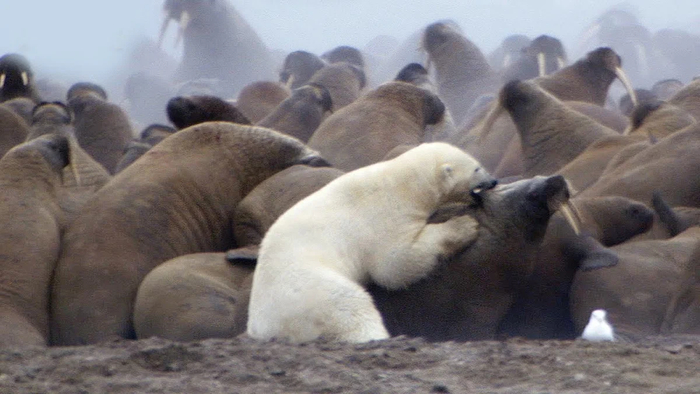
483	186
487	182
476	191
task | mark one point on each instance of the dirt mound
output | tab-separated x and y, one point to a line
399	365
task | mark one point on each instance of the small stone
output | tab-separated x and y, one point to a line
674	349
277	372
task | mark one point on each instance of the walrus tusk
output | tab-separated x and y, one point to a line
25	78
561	63
185	19
642	59
2	80
572	216
506	60
490	118
163	29
628	85
541	64
429	65
290	81
627	130
73	145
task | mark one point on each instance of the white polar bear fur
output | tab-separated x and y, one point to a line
368	224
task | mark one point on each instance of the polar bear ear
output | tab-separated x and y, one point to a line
447	170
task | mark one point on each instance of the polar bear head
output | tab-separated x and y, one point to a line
458	176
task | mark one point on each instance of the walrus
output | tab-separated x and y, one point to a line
362	133
639	290
509	51
589	78
184	112
551	133
194	297
150	137
462	71
541	309
467	296
22	106
16	78
644	96
47	117
217	43
155	133
688	98
300	114
654	168
658	119
274	196
133	151
543	56
649	123
84	176
30	176
416	74
345	53
666	88
299	67
344	81
205	295
259	99
177	199
102	128
13	129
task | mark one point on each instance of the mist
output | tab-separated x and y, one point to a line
75	40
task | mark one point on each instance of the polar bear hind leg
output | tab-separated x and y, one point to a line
354	317
329	306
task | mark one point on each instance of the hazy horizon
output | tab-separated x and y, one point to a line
87	40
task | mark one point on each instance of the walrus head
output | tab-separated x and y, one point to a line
321	94
546	46
54	112
187	111
45	156
439	33
86	88
55	149
15	71
299	67
608	65
413	73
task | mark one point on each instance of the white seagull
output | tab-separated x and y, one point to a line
598	328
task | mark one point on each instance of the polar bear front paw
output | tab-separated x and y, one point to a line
457	233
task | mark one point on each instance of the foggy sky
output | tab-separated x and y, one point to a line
86	39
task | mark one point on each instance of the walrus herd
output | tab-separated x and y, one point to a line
434	191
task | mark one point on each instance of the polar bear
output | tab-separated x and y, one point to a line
371	224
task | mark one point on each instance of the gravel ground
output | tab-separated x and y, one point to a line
399	365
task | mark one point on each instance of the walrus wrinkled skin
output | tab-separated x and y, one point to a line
32	222
177	199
